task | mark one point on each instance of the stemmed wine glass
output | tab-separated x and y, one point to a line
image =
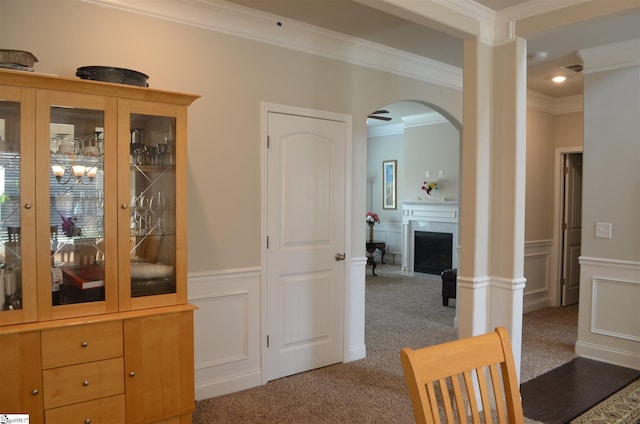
158	207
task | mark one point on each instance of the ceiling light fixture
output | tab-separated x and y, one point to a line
559	79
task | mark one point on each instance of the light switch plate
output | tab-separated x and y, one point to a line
603	230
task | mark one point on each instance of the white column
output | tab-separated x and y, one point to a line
506	263
491	273
476	189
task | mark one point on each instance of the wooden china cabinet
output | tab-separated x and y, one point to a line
94	321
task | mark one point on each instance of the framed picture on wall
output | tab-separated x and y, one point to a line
389	184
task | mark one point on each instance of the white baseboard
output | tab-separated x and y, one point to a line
535	305
230	384
356	353
608	355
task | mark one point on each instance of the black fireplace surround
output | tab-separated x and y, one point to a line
433	252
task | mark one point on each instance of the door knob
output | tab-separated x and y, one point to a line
340	257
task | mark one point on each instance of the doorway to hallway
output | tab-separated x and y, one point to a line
571	225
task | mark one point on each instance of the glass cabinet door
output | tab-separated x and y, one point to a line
17	229
77	144
152	238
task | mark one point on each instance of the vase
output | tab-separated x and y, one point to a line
370	232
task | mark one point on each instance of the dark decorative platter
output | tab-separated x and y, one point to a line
111	74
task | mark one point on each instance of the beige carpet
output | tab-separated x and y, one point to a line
400	312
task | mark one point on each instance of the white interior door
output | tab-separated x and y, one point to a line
572	228
306	230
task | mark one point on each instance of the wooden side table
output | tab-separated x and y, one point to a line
372	245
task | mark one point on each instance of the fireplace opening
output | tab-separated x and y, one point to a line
433	252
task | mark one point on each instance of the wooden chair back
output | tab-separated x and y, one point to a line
460	381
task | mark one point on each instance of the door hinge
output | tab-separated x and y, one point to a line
267	340
565	170
565	225
268	142
563	281
267	242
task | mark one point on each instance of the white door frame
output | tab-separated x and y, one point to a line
348	302
556	287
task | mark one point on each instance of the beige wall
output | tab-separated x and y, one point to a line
610	266
433	148
417	149
234	76
611	181
540	176
379	149
568	130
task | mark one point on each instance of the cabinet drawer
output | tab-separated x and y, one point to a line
79	383
103	411
82	343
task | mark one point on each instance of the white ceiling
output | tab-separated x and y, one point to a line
356	19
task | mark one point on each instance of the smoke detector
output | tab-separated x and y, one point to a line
539	56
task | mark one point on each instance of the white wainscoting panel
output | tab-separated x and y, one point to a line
537	270
609	321
609	298
227	331
391	234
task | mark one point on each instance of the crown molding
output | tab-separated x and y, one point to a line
430	118
568	104
539	101
264	27
384	130
421	119
533	8
499	27
611	56
554	105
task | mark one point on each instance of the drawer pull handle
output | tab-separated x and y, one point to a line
34	392
87	421
85	383
132	374
84	344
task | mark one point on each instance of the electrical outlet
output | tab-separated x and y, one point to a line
441	173
603	230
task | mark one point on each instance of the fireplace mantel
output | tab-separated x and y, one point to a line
433	216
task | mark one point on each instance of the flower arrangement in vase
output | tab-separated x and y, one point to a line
371	219
429	187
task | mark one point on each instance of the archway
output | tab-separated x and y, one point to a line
423	141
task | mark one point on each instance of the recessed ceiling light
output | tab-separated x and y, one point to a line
559	79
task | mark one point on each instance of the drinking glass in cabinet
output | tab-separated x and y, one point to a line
10	206
77	206
153	209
